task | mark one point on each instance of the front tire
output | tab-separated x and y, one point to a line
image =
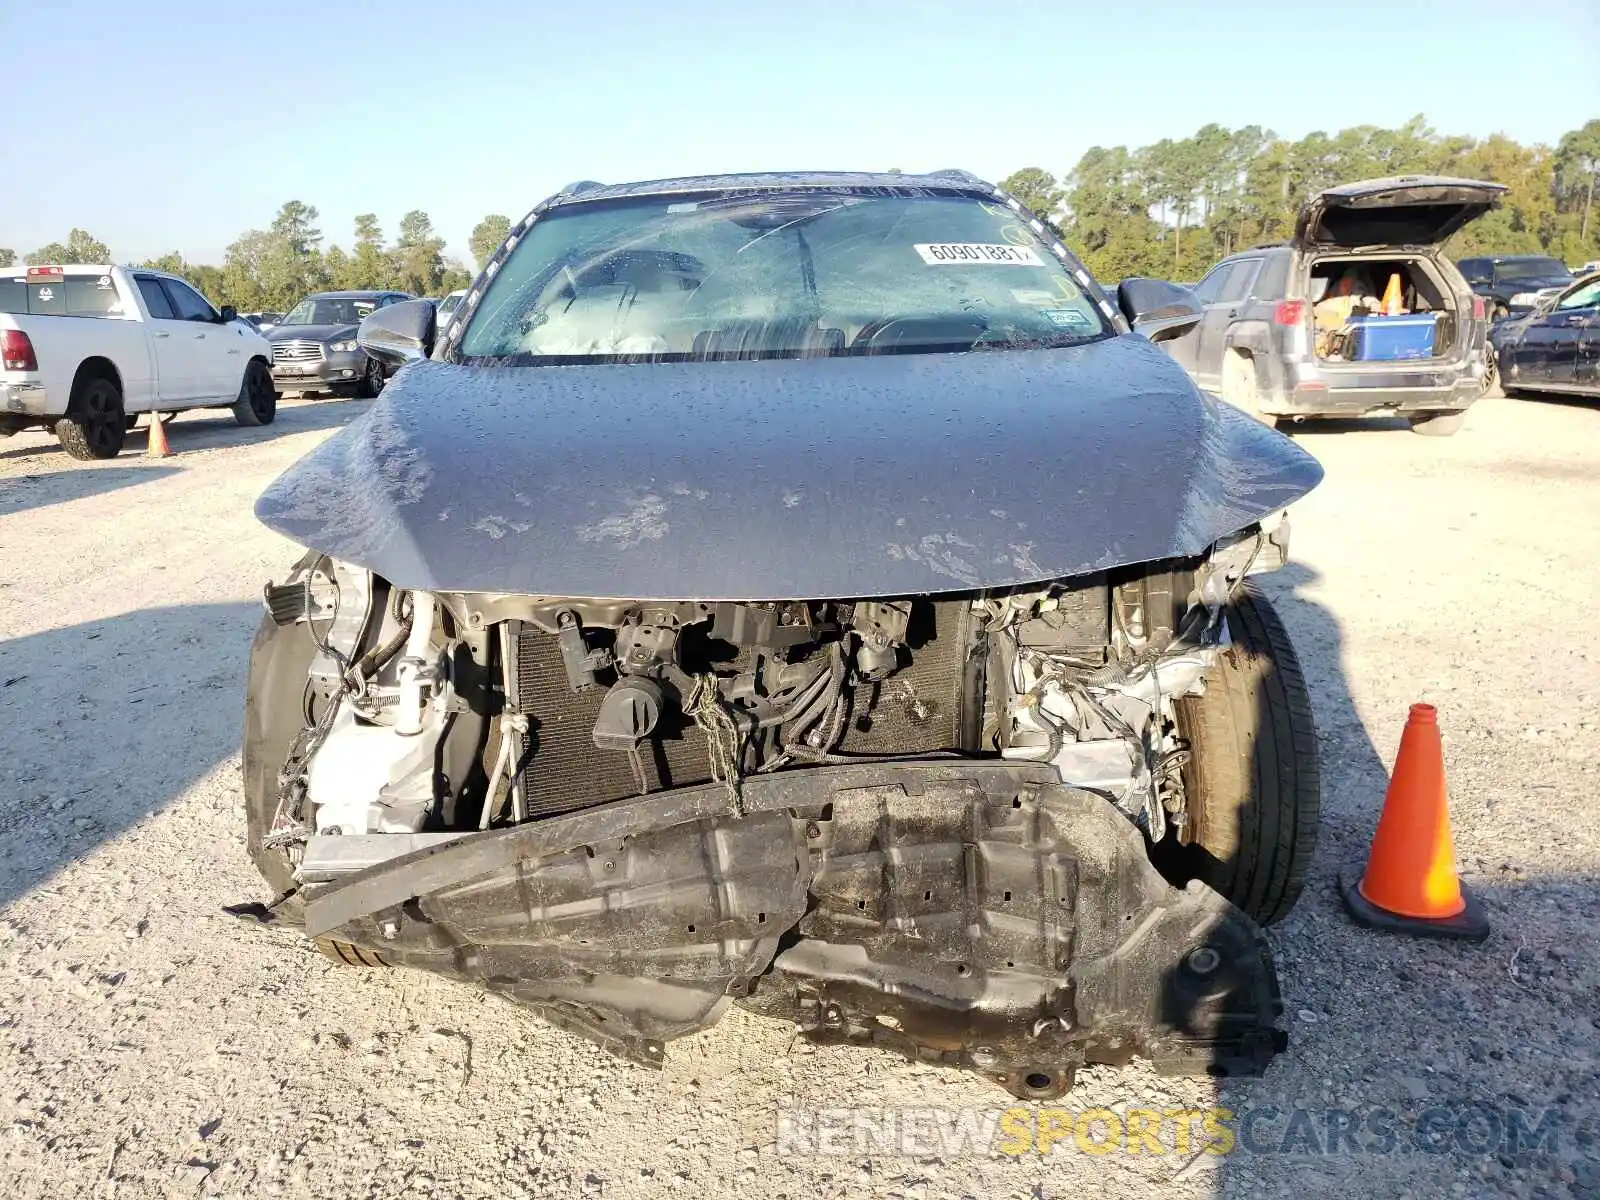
1252	785
95	425
1440	424
372	380
347	954
258	402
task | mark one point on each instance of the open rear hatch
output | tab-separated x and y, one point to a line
1408	210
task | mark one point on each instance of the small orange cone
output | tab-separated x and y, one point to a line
1410	884
1393	297
157	446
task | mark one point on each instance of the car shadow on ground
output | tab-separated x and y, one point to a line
1403	1055
110	720
1344	425
1407	1049
1562	399
1406	1060
206	429
22	493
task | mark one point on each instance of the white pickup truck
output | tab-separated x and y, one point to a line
85	349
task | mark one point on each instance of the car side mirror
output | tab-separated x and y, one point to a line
1158	310
229	314
400	333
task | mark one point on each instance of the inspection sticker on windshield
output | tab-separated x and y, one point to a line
939	254
1069	318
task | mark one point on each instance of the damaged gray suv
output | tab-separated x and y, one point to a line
804	591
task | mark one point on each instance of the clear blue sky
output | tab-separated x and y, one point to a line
170	124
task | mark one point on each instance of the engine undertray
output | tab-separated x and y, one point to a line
974	914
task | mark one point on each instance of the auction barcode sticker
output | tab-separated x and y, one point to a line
939	254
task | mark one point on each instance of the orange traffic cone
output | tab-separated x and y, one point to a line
1393	297
1410	884
156	446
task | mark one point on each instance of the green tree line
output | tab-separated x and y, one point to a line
268	270
1168	209
1172	208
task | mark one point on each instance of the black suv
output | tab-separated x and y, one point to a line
1511	282
1264	343
314	344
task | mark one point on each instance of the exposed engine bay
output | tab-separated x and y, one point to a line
445	712
882	819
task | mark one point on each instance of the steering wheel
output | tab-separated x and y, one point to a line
892	331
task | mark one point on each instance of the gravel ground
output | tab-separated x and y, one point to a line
150	1046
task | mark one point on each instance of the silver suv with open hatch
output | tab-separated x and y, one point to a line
1299	329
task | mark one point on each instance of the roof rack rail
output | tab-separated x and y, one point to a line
582	185
958	174
1268	245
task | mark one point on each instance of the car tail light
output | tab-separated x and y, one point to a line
46	273
16	351
1478	308
1289	312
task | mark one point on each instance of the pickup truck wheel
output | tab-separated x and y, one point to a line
95	424
372	380
1438	424
258	402
1252	786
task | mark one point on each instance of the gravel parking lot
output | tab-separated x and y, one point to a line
152	1046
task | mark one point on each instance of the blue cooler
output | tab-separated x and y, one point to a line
1385	339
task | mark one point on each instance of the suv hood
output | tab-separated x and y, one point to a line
793	479
310	333
1409	210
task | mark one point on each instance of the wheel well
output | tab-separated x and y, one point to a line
1235	354
95	367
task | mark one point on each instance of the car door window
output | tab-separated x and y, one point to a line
1272	279
155	298
189	304
1237	285
1585	297
1206	291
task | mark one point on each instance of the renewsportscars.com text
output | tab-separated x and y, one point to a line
1470	1129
